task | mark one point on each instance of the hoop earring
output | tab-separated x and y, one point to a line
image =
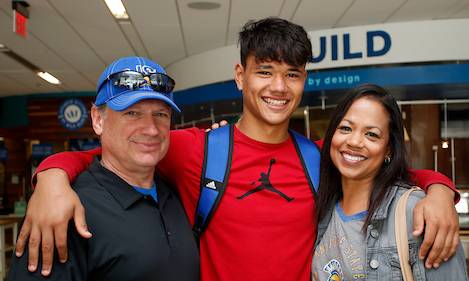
387	160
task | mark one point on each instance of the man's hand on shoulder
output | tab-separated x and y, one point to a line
435	216
217	125
50	208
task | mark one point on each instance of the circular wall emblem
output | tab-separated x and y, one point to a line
73	114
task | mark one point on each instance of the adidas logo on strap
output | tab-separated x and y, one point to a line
211	185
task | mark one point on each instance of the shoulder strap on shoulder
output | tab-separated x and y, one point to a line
215	172
310	157
400	230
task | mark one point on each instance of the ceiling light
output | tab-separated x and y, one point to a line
48	77
29	65
444	144
117	9
3	48
204	5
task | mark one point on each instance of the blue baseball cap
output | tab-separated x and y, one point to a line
118	98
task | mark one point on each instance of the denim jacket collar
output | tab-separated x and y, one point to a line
383	210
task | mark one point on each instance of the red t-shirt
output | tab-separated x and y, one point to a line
262	236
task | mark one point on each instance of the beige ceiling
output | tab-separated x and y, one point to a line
75	39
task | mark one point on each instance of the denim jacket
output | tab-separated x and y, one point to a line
382	260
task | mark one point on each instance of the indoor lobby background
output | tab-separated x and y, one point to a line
53	51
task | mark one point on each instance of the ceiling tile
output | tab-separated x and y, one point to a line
158	26
288	9
368	12
93	22
244	10
10	86
422	10
133	37
204	29
36	84
461	10
317	14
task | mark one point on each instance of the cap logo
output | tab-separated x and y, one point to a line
145	69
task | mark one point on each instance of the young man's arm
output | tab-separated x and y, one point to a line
74	270
427	178
51	207
435	216
73	163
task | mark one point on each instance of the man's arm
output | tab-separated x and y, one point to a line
425	178
73	163
51	207
436	217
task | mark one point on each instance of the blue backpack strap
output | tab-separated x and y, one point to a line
215	172
310	157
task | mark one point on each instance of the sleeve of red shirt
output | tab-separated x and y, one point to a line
73	163
424	178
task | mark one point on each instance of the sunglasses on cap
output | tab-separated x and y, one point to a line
133	80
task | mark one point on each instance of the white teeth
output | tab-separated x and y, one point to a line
353	158
275	102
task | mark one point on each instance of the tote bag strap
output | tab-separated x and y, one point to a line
401	235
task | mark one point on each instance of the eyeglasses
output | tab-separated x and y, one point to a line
132	80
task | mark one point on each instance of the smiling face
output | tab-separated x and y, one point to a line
136	138
360	142
271	92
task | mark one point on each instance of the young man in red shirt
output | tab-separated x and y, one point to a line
252	236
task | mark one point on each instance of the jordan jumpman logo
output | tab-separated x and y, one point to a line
265	184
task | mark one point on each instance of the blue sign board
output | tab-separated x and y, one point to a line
388	76
41	150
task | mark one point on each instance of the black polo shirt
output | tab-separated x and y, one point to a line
134	238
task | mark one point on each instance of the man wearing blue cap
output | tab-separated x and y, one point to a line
140	231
